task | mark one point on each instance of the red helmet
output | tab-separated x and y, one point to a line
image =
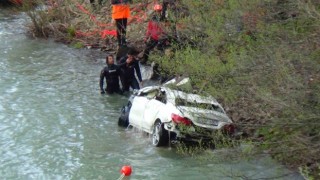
157	7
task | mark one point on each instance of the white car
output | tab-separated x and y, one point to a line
169	114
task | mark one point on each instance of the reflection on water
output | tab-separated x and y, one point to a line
54	124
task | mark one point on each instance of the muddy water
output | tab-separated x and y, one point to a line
54	124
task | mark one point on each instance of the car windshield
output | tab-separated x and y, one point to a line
209	106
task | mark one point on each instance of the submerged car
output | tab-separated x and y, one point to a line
169	114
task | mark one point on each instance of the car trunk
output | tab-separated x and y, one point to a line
204	117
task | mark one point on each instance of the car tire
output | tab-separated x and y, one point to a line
123	120
160	136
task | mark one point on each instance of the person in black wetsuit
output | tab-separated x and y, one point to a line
129	66
111	73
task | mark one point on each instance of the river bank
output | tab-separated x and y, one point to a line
263	65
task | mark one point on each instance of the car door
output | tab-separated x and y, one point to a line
137	110
139	103
151	113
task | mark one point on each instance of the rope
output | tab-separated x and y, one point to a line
121	177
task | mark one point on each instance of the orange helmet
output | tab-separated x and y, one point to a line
157	7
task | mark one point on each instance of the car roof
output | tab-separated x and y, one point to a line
172	94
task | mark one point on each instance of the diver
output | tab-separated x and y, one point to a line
129	66
111	73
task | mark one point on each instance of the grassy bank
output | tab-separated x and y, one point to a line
260	58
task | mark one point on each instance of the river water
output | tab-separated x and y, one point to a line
54	124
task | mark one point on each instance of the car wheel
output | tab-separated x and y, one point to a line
159	135
124	116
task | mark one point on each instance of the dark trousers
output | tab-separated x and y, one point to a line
164	10
121	31
113	87
127	83
152	43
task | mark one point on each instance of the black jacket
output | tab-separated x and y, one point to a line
127	70
111	73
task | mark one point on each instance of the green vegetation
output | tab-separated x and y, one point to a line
38	16
77	45
260	58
